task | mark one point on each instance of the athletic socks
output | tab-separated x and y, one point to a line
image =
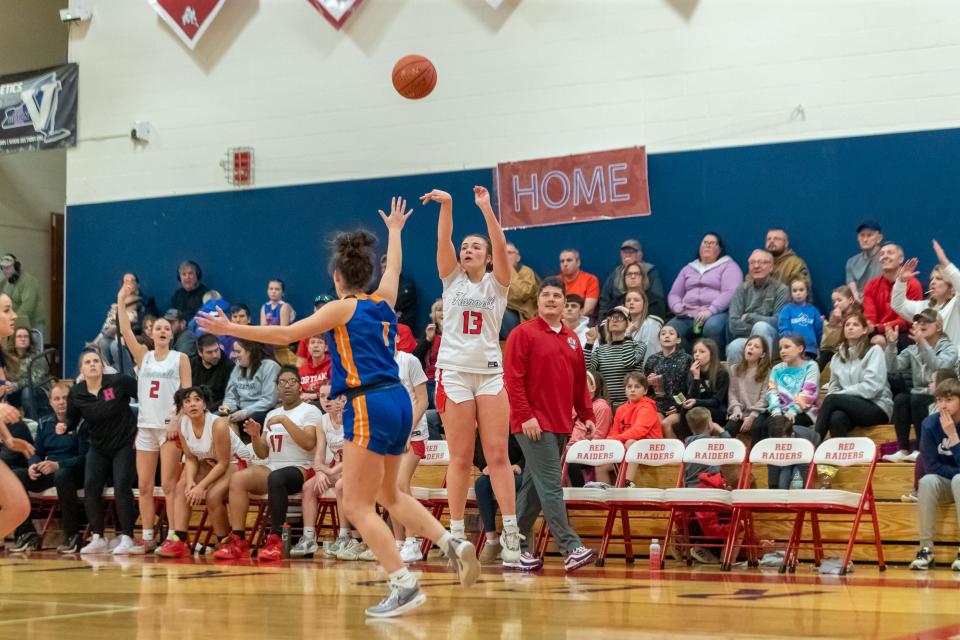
147	535
404	578
344	532
411	540
457	529
510	524
444	540
310	533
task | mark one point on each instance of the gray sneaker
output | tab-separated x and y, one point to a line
306	547
510	545
399	600
463	556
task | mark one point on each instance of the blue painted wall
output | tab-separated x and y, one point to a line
817	190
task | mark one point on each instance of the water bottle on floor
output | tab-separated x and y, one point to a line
796	482
655	555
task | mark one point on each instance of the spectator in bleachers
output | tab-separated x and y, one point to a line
708	383
603	419
865	266
586	285
843	302
747	396
487	499
792	389
574	319
616	355
212	301
429	346
522	298
878	295
858	394
184	340
940	451
276	312
667	374
546	381
252	386
102	401
302	347
286	443
701	294
406	304
800	316
787	265
26	367
636	419
189	297
641	325
210	368
616	284
944	283
239	314
755	307
24	291
58	461
931	350
315	371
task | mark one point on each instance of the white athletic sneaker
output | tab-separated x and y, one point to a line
912	456
464	558
410	552
367	555
127	547
956	563
335	548
898	456
306	547
113	542
97	544
351	551
510	546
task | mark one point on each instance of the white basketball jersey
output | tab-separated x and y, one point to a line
284	451
333	434
202	447
157	381
411	376
472	314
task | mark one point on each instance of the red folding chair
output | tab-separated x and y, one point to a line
777	452
687	502
435	499
624	500
837	452
593	453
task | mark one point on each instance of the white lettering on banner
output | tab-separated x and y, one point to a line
602	181
530	191
616	181
13	87
581	190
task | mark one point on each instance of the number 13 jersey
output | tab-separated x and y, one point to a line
472	314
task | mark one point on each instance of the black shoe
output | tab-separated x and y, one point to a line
27	542
70	544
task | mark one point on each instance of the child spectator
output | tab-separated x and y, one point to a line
574	319
702	425
642	326
429	347
800	317
637	419
315	370
276	312
747	397
931	350
708	383
578	474
667	375
843	303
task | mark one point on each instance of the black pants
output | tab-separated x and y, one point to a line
909	408
841	412
487	501
280	484
122	464
67	482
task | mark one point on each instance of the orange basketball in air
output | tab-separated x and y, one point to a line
414	77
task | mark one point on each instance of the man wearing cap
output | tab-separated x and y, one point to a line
931	350
24	291
787	265
184	340
865	266
579	282
756	305
878	293
613	291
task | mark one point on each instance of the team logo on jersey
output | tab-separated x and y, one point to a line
189	19
572	343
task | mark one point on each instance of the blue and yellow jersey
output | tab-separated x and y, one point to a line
361	351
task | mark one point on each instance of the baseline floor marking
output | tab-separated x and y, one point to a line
64	616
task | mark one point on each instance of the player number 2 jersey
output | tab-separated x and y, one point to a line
472	314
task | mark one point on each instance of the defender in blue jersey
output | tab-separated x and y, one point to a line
361	331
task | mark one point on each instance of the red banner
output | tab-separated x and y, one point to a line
580	188
189	19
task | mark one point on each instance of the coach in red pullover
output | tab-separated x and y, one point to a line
877	294
546	380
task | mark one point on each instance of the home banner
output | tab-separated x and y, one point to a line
38	109
578	188
189	19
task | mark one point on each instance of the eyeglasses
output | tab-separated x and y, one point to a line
633	274
288	382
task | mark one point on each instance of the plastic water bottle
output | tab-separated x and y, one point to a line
285	537
796	482
655	555
697	328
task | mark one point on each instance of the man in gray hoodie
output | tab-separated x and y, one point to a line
756	306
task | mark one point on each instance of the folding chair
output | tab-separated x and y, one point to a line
684	502
593	453
435	499
622	500
838	452
778	452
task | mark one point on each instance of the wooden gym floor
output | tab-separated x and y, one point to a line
195	599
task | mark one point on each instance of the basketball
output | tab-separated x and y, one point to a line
414	77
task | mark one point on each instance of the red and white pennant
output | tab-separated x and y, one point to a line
336	11
189	19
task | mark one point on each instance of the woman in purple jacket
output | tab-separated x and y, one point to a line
702	291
